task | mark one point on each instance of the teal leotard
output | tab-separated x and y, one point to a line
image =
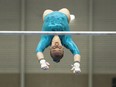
56	21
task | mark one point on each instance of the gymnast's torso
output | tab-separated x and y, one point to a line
55	21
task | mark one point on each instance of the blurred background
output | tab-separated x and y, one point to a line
19	66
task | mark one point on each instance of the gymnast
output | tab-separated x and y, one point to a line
57	21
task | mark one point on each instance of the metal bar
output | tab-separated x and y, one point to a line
58	32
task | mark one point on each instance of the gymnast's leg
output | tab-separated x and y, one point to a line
46	12
66	12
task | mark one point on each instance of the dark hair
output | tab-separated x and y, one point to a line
56	54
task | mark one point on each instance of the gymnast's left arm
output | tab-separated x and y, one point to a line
43	43
44	64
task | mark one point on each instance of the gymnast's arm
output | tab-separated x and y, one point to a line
69	43
43	43
40	48
75	51
76	54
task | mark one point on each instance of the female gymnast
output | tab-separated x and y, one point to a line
57	21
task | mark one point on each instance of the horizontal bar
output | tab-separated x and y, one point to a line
59	32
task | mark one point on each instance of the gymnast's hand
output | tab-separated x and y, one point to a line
44	64
76	68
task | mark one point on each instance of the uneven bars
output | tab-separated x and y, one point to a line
59	32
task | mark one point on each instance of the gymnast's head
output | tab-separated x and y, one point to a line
56	49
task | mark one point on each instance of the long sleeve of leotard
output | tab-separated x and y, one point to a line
44	42
69	44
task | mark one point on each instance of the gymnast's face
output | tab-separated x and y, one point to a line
56	51
56	46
